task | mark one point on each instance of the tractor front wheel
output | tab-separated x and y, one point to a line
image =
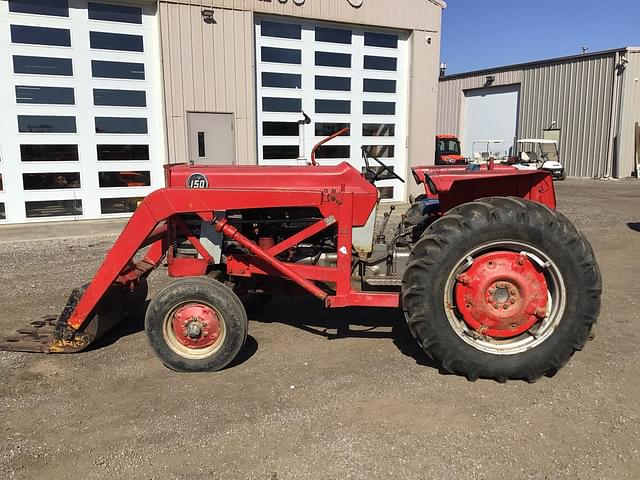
502	288
196	324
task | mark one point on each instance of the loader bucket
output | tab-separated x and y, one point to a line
49	335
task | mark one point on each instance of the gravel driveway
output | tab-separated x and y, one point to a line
311	401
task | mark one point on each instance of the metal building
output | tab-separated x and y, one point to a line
98	95
255	65
590	102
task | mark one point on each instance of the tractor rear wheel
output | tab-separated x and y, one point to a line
502	288
196	324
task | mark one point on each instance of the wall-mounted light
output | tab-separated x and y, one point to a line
490	79
443	69
207	15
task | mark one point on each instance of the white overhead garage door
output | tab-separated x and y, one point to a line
341	76
81	130
490	114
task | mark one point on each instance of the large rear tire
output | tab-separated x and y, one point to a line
502	288
196	324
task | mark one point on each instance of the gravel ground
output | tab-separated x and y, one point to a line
306	403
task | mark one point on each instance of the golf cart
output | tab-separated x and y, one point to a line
485	152
547	158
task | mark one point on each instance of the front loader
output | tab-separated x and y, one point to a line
493	281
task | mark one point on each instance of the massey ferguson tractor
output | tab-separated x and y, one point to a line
493	281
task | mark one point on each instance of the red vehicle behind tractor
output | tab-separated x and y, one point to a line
493	281
448	151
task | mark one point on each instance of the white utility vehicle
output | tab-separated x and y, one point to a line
538	153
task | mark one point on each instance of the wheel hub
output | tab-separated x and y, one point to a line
502	294
196	326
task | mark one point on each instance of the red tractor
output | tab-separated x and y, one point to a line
448	151
494	283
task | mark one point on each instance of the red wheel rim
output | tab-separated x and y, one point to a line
196	326
502	294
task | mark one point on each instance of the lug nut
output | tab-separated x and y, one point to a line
512	301
186	334
492	291
496	306
505	306
541	312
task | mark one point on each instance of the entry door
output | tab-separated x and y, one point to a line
211	139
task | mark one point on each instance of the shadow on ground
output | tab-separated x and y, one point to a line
310	316
635	226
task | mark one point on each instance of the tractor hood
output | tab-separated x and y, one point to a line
325	180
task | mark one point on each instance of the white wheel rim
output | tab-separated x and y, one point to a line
539	333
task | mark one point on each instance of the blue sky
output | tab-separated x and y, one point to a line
480	34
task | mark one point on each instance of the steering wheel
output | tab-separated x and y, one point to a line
373	174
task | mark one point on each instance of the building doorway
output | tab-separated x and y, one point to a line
211	138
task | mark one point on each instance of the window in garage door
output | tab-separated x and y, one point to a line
341	76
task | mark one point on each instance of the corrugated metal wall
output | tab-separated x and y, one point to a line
208	68
630	115
575	92
578	95
405	14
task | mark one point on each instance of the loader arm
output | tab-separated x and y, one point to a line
141	229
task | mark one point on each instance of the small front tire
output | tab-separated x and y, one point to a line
196	325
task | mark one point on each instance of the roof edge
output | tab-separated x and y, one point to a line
439	3
534	63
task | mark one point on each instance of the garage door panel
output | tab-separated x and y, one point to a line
47	183
490	114
335	90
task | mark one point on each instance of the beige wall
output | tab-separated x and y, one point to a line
208	68
211	67
423	102
629	115
404	14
